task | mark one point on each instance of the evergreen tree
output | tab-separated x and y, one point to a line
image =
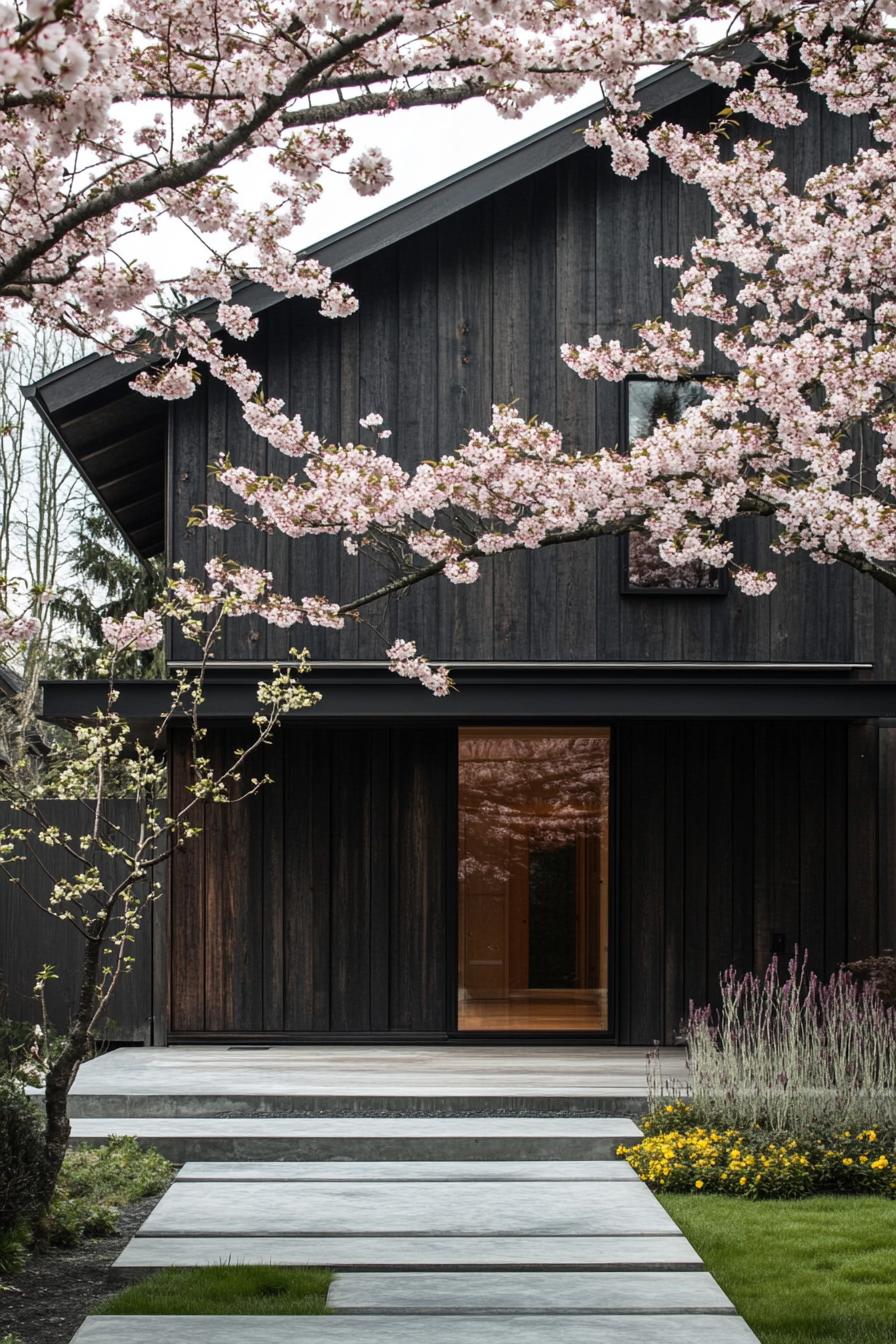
106	579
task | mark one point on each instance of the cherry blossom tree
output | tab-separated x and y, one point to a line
121	121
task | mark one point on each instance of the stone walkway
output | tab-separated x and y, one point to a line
463	1249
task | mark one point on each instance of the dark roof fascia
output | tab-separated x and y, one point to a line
95	373
525	694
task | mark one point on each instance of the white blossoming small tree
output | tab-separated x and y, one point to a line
114	875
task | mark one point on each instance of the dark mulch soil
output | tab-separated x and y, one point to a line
48	1299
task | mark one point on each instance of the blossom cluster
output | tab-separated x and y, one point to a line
139	633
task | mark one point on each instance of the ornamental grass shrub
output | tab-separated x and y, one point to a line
679	1155
792	1055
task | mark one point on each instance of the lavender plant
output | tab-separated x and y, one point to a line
793	1053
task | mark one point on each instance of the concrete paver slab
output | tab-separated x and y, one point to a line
394	1208
143	1254
661	1329
541	1293
407	1171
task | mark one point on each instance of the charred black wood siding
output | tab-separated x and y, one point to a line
470	311
30	938
325	906
321	905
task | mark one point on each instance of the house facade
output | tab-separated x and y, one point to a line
635	785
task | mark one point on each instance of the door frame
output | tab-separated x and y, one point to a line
608	1037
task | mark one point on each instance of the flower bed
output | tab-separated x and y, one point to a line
680	1155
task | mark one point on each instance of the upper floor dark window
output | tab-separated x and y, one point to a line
649	400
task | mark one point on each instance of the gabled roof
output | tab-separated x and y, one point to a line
116	438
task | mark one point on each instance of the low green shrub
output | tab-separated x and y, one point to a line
120	1171
681	1155
14	1249
96	1183
21	1139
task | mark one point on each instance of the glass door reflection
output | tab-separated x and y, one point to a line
533	879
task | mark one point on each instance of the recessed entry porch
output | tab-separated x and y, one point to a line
424	883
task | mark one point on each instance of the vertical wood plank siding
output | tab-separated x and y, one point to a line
471	311
319	906
324	907
30	938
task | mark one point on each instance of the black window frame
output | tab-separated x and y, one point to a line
626	588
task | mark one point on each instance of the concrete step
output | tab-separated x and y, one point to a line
612	1170
532	1293
658	1329
406	1208
362	1139
142	1255
235	1105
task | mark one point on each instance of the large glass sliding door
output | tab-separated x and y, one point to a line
533	879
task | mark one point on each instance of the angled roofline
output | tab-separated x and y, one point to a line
95	373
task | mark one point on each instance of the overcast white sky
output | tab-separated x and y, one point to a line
425	145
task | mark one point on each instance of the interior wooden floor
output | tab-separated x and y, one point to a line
572	1012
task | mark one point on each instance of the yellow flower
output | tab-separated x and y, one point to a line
879	1163
699	1185
847	1161
742	1181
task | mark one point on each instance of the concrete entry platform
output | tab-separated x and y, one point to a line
538	1293
368	1080
630	1329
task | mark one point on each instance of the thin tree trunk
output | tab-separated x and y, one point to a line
62	1074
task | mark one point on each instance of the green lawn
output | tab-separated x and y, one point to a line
812	1271
224	1290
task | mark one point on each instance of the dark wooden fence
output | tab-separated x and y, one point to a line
30	938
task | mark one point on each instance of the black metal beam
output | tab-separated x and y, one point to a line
533	695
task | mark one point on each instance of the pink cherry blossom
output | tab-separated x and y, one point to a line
18	629
133	631
370	172
406	662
